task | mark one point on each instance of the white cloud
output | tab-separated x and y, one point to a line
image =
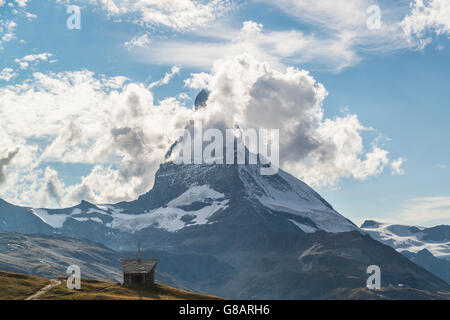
7	74
429	16
404	24
34	59
348	21
396	166
7	28
178	15
337	34
115	126
321	151
138	41
184	96
331	14
198	80
276	47
30	16
75	117
340	154
22	3
427	210
167	77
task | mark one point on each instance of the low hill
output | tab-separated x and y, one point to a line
14	286
48	256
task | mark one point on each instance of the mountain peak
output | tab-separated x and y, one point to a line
201	99
84	203
370	224
282	197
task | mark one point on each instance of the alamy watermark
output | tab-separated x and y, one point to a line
74	20
374	20
250	146
374	281
74	280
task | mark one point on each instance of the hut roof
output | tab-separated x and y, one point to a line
138	266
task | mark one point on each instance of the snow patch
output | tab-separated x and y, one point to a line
57	220
172	218
168	218
401	238
54	220
98	220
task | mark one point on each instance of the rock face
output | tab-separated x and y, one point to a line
427	247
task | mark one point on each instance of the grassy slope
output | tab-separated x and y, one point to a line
99	290
15	286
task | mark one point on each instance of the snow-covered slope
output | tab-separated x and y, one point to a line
193	207
284	193
413	239
202	200
426	247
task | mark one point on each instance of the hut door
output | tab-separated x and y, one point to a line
138	278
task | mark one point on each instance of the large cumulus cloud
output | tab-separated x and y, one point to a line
77	117
114	125
251	94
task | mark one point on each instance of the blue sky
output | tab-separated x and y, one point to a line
410	106
394	78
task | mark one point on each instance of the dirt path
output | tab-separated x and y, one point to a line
53	283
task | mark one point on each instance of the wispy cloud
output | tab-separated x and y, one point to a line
138	41
176	15
22	3
426	210
397	166
32	59
7	74
7	28
276	47
167	77
338	34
